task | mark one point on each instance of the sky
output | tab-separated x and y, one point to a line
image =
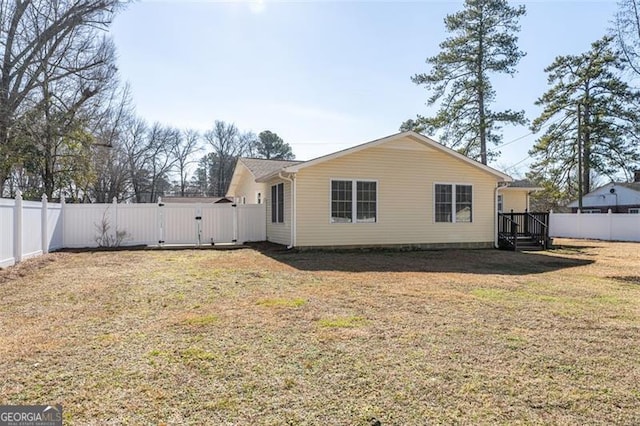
325	75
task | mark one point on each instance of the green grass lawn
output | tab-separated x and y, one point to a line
269	337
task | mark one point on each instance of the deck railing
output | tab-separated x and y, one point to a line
533	226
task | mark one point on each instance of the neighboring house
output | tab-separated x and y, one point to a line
401	190
619	197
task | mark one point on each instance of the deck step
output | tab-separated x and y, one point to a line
528	244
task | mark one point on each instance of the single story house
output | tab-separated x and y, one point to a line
403	190
619	197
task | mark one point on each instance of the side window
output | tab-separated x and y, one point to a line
464	196
448	197
281	203
366	208
349	206
277	203
443	203
341	201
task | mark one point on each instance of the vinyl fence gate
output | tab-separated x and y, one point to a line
199	224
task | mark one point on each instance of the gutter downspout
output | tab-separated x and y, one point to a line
292	179
495	208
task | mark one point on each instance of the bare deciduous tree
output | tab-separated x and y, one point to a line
52	41
228	144
627	32
183	151
109	159
134	148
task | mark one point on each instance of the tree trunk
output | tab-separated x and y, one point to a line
48	176
586	148
483	128
481	110
5	154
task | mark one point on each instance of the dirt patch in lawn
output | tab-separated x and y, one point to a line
265	336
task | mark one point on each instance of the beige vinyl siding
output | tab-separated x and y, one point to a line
515	200
247	186
279	233
405	179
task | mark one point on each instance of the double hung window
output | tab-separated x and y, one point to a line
453	203
277	203
354	201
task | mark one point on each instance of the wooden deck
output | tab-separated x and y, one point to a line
523	231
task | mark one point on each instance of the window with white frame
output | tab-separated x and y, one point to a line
634	210
277	203
500	203
347	206
591	211
453	203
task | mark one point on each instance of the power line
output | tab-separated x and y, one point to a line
531	133
521	161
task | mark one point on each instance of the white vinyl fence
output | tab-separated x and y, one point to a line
31	228
168	224
608	227
28	229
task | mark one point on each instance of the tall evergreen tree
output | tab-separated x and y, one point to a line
483	42
609	119
272	147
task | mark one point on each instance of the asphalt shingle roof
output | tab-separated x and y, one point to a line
522	183
261	167
631	185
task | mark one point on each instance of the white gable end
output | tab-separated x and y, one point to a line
609	195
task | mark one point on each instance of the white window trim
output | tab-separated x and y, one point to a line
500	206
453	202
634	210
354	201
591	211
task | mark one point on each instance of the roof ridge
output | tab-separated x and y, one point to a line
271	159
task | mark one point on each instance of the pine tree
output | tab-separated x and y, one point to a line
609	119
483	43
272	147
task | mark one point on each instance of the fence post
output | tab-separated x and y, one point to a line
17	227
45	232
609	223
114	201
160	218
235	223
63	219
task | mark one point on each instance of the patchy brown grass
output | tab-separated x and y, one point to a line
262	336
